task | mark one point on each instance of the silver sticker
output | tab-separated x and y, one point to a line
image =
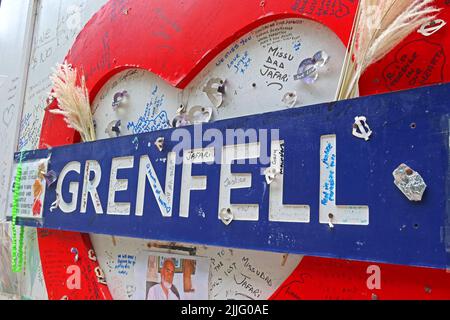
50	177
410	182
120	100
181	120
113	129
200	114
226	216
308	70
290	99
215	89
270	174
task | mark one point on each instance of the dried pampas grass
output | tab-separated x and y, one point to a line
380	26
73	101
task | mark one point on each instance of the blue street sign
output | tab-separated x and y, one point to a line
316	180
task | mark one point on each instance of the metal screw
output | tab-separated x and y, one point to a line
330	220
159	143
75	251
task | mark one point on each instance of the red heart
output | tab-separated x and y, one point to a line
175	40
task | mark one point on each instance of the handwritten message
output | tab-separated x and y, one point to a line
9	112
328	188
231	52
124	263
239	274
153	119
417	63
278	32
339	9
274	67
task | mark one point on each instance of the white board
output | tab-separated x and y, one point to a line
233	274
58	22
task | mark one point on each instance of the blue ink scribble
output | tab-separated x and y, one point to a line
297	45
136	142
157	190
124	264
329	159
24	124
234	48
152	119
329	186
29	131
240	63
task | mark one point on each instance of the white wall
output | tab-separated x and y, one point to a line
16	24
16	29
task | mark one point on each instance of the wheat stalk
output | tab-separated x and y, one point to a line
73	101
381	25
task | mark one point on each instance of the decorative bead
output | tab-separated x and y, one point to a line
17	257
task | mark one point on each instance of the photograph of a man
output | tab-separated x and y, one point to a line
176	277
165	290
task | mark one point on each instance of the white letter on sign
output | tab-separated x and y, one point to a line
164	199
68	207
278	211
90	187
118	208
229	181
189	182
329	212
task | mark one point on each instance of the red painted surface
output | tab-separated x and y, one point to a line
320	278
175	40
57	256
418	61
